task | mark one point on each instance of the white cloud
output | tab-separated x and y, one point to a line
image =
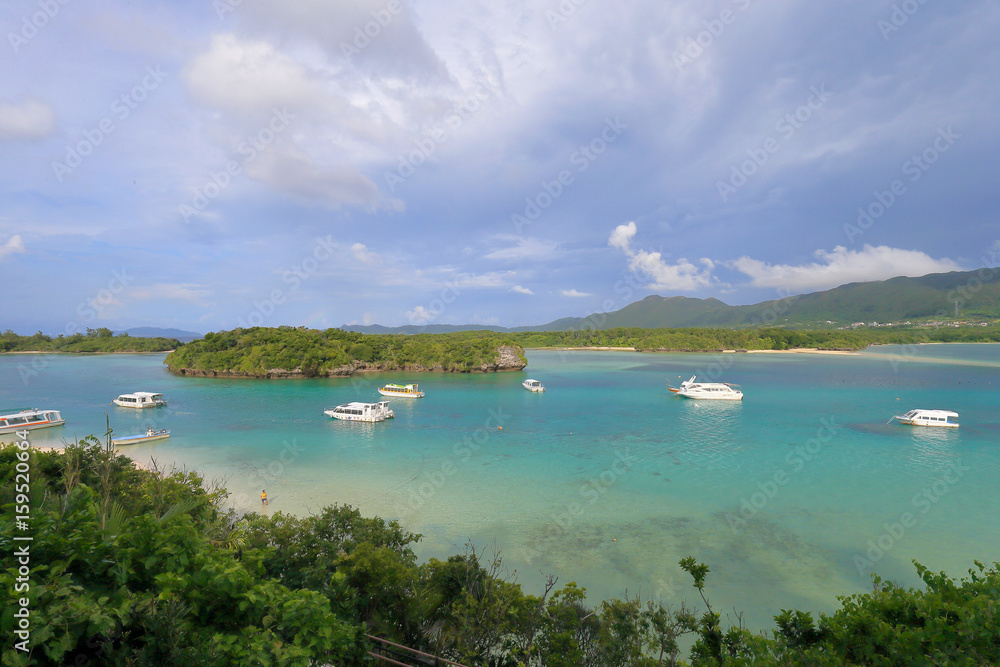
420	315
247	75
651	267
521	290
622	236
574	293
364	255
841	266
12	246
31	119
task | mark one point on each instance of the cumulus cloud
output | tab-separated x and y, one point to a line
31	119
660	274
11	246
521	290
420	315
241	75
840	266
574	293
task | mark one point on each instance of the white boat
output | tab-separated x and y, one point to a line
719	391
361	412
30	418
928	418
149	436
140	399
532	385
401	391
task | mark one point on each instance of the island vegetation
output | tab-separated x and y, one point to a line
128	566
95	340
301	352
768	338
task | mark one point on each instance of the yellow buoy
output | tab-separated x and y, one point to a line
499	428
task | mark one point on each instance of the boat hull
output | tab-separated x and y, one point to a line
706	397
401	394
919	422
138	439
31	427
138	406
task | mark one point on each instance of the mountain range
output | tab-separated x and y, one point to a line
970	295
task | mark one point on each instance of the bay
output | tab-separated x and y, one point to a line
791	496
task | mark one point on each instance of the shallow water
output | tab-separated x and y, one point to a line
790	496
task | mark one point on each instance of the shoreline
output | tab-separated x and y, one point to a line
797	350
70	352
53	448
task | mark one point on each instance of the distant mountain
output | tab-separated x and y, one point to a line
895	300
156	332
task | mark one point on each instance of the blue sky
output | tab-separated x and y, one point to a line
207	165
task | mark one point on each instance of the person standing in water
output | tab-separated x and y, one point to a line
263	497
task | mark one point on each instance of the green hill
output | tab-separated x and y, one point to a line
899	299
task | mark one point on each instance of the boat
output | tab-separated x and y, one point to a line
532	385
27	419
149	436
401	391
361	412
140	399
719	391
928	418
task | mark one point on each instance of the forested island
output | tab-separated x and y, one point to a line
300	352
127	566
94	341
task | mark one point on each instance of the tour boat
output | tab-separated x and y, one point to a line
149	436
533	385
928	418
361	412
29	418
720	391
401	391
140	399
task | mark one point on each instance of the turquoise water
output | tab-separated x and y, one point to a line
791	497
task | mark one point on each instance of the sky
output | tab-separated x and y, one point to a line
209	165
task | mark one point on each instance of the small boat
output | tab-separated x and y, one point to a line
928	418
149	436
401	391
719	391
140	399
532	385
361	412
30	418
